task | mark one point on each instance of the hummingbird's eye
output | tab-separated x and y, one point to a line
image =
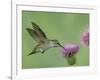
57	42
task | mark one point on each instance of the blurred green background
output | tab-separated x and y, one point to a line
65	27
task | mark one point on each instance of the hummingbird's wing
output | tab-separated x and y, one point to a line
37	33
33	34
38	30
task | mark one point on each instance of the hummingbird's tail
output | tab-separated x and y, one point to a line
31	53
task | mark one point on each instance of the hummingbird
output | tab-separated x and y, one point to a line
40	37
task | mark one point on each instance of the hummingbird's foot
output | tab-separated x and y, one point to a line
42	52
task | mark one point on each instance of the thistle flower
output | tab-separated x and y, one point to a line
85	38
69	52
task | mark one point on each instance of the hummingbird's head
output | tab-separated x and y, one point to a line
56	43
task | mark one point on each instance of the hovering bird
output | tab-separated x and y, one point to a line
43	42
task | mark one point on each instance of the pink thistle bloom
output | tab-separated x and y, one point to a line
85	38
70	49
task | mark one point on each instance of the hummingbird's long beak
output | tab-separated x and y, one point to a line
60	45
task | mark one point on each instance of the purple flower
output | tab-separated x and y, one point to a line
85	38
70	49
69	52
